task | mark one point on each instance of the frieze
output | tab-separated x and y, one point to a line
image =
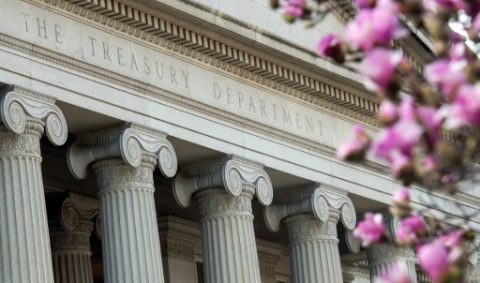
162	73
126	18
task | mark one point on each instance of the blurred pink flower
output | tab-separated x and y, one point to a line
430	162
446	75
371	229
294	8
375	27
378	68
400	137
452	239
475	28
444	4
409	228
401	195
465	109
433	258
399	162
397	273
357	146
388	112
329	46
365	4
432	121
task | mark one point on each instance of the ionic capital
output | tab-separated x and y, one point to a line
18	106
318	202
71	220
232	173
129	142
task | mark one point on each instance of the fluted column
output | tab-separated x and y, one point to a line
311	220
269	256
71	225
224	190
25	254
382	256
179	238
472	273
123	160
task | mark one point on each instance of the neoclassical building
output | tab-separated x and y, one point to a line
187	141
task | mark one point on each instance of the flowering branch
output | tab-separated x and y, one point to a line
431	118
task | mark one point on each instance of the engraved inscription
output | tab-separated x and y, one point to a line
153	65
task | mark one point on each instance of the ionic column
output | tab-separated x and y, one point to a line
382	256
269	256
24	241
224	190
71	226
311	220
123	160
472	273
179	237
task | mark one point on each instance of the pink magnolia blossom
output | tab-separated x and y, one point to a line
401	195
397	273
452	239
371	229
356	146
388	112
409	228
365	4
475	28
434	5
446	75
378	68
433	258
432	121
401	137
430	162
329	46
465	109
399	163
375	27
294	8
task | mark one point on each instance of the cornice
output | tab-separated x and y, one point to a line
151	28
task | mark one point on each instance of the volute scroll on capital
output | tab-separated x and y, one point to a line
318	203
17	104
76	207
128	142
232	174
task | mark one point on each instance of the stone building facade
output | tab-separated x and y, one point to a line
185	141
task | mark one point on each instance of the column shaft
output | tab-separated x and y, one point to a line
382	256
24	240
314	255
228	238
131	244
71	254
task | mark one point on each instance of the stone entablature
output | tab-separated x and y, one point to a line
161	32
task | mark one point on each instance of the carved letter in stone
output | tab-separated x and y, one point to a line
129	143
